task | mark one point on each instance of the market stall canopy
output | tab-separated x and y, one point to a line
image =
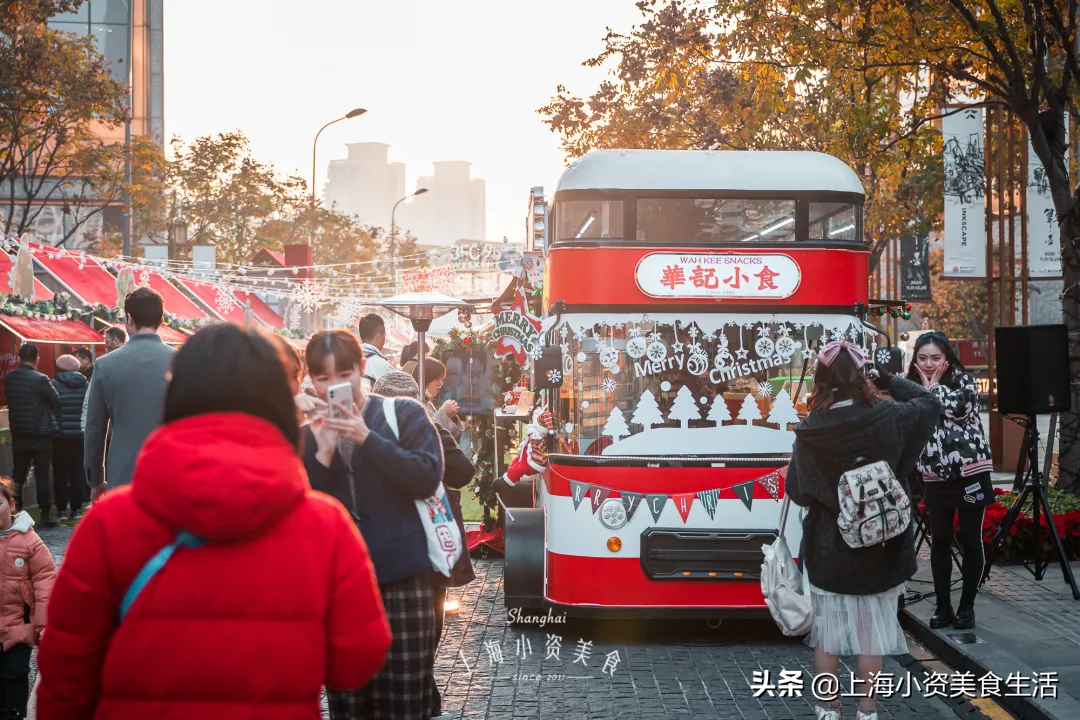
81	275
56	332
222	302
6	263
262	311
176	302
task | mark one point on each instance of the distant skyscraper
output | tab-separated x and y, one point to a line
454	209
365	183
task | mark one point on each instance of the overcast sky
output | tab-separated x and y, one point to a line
440	80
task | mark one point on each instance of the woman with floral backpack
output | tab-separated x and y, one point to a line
854	591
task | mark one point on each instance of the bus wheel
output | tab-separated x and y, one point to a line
523	567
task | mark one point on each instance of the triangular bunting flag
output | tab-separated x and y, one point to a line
630	503
708	499
683	503
745	491
656	505
771	483
598	495
578	490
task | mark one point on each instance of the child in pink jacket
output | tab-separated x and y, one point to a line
27	578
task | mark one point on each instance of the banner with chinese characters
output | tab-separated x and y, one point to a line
915	270
718	275
965	186
616	512
1044	237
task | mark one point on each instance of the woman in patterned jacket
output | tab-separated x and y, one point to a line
955	468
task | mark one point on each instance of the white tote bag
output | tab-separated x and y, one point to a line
782	585
444	540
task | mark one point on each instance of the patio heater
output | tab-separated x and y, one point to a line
421	308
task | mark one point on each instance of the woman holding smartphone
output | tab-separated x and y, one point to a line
352	454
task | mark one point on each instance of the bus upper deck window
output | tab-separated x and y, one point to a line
589	219
833	221
715	220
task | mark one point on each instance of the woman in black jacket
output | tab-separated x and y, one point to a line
955	467
457	473
854	591
69	478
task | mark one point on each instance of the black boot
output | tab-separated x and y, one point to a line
965	614
943	617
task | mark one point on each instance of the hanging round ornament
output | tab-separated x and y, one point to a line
786	347
656	351
609	356
567	360
764	347
636	347
698	363
463	316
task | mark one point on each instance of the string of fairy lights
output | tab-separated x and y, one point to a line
349	287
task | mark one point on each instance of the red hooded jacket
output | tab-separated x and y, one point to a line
280	601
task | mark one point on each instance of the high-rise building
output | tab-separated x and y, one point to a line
365	183
453	209
130	34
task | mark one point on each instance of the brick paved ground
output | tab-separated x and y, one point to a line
664	670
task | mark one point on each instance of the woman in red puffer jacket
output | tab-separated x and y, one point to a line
278	601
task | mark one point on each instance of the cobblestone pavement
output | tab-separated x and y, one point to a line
654	670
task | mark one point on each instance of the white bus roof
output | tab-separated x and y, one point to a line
712	170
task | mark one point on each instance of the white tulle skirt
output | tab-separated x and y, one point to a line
857	624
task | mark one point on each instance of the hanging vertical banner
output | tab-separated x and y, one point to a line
915	273
965	185
1044	238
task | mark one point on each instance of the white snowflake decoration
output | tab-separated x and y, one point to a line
609	385
656	351
881	357
785	347
764	347
308	295
764	390
693	332
350	310
554	376
536	351
224	301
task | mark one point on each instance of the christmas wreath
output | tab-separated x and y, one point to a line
56	308
481	428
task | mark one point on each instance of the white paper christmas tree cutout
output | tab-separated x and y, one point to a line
783	411
616	426
749	412
647	413
719	412
684	409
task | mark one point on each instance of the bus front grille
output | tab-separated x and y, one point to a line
668	554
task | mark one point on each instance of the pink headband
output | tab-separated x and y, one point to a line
831	350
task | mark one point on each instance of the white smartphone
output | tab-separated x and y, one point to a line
338	397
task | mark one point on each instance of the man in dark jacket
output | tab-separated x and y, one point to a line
68	476
32	400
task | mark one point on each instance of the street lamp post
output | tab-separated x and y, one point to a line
347	116
127	230
393	224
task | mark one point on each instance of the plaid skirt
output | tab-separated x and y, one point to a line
403	689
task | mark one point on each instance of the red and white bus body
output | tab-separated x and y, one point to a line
769	250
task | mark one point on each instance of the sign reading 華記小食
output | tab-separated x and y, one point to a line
718	275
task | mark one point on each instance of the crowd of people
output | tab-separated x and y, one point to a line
255	538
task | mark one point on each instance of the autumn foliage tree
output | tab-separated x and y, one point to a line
55	90
864	81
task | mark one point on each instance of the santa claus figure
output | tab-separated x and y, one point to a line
532	458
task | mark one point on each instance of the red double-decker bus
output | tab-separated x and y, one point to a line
689	291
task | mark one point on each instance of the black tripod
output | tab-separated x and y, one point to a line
1034	488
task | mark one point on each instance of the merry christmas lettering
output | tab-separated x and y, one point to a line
514	325
649	367
750	367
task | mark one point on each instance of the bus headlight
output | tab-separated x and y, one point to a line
613	514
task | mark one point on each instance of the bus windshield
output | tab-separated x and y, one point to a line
705	386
